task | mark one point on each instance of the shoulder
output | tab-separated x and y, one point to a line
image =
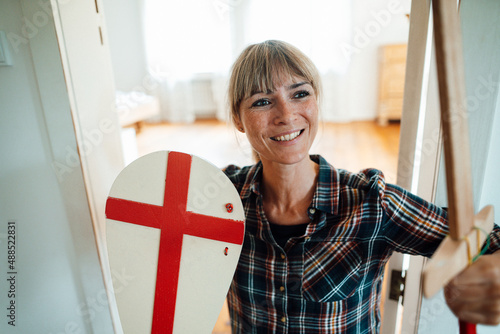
369	179
372	183
366	179
241	176
393	199
235	173
356	187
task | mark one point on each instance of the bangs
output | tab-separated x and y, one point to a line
262	67
264	74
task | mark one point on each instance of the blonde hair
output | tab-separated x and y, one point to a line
259	65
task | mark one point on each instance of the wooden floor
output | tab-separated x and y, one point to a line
352	146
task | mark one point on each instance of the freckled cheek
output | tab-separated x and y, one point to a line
312	113
254	124
313	117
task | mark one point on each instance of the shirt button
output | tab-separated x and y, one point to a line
283	319
312	211
283	256
282	288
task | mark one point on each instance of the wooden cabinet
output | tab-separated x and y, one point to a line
392	65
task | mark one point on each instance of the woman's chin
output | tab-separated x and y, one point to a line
287	159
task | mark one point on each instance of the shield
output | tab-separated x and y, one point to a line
175	227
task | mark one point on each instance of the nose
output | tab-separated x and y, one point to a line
285	112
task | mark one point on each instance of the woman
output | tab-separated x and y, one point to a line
317	238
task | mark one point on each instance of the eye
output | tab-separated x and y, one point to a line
301	94
261	103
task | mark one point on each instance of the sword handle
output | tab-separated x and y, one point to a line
467	328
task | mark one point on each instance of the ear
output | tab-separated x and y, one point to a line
239	125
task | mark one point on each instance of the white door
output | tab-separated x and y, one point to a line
411	164
58	141
86	61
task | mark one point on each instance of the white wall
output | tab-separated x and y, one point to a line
59	286
126	42
485	90
489	194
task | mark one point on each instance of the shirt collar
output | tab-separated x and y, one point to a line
252	182
326	195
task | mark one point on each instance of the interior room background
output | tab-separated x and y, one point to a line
197	42
181	51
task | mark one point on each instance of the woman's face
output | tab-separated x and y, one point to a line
281	125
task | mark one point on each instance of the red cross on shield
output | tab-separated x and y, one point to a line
169	232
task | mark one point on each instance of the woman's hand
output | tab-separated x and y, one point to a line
474	295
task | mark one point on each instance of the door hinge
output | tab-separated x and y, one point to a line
397	285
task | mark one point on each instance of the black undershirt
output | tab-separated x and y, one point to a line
282	233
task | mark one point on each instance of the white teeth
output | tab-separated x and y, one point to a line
287	137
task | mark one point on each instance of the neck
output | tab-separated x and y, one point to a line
288	191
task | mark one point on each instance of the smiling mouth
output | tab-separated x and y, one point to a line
288	137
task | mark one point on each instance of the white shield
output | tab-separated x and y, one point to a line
210	241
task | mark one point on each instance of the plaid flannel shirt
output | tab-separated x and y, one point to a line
328	280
